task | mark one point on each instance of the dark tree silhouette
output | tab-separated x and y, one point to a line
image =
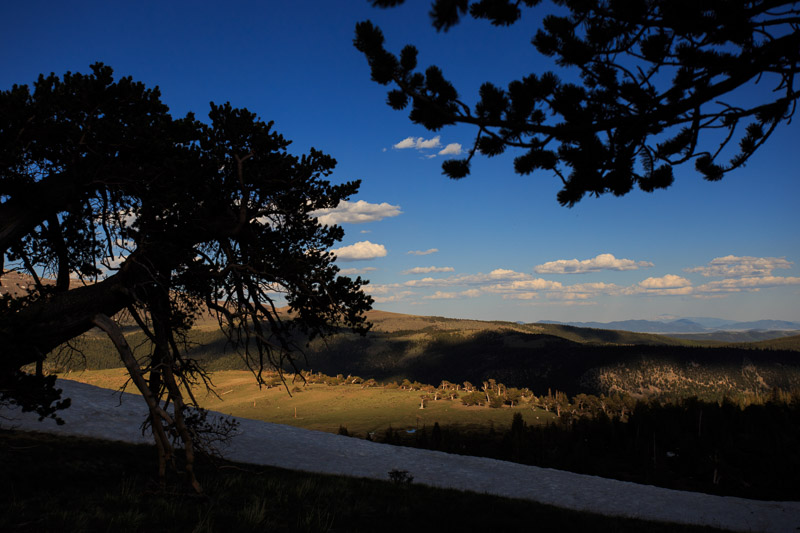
661	85
108	204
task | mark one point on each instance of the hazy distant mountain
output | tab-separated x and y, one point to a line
776	338
685	325
707	322
761	324
640	326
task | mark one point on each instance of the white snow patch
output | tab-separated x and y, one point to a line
106	414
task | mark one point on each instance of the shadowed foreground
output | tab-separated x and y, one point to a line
98	413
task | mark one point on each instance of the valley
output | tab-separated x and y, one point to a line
323	407
653	409
539	357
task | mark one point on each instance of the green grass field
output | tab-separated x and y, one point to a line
327	407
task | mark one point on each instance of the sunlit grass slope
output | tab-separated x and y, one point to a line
327	407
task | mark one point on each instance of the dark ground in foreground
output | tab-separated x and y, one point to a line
57	483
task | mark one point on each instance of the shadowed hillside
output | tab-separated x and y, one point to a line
536	356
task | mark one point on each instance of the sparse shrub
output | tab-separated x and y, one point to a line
400	477
473	398
210	434
496	401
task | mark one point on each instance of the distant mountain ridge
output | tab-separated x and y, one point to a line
684	325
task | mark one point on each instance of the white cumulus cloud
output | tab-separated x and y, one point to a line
601	262
430	143
360	251
427	270
670	281
408	142
513	285
668	285
451	149
526	285
423	252
356	213
418	142
504	273
732	266
424	145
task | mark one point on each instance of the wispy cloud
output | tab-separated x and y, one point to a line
387	293
360	251
356	271
585	291
554	290
569	296
396	297
566	303
381	288
525	285
732	266
423	252
427	270
439	295
521	296
495	276
673	285
356	213
601	262
747	284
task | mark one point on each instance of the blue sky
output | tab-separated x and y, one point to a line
493	246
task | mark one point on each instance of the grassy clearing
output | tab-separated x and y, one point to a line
326	408
52	483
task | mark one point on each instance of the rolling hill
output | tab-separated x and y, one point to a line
536	356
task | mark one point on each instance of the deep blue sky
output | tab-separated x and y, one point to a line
727	249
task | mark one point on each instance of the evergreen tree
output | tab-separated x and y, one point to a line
109	204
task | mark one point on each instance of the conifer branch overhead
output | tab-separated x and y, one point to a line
659	81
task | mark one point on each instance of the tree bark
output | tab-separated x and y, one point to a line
44	324
157	414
